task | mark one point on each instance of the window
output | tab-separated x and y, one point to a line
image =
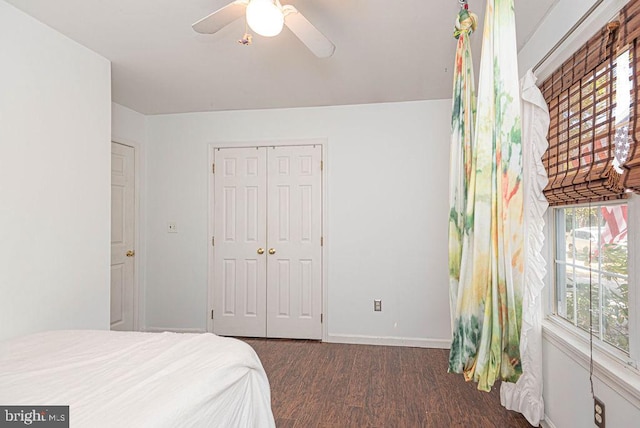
592	258
593	164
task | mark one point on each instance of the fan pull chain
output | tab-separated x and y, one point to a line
247	38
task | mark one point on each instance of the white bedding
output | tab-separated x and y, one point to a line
129	379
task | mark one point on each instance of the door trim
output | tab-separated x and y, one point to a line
322	142
138	301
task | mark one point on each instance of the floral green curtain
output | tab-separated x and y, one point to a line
488	295
462	123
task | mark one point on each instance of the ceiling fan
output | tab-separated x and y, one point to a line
267	17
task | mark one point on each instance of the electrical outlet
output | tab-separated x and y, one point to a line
598	413
172	227
377	305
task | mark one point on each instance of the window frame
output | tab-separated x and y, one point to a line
606	347
621	369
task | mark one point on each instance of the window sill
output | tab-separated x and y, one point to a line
622	378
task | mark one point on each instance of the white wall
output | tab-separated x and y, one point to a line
387	206
128	126
567	392
55	119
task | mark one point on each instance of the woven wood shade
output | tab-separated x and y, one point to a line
630	36
581	95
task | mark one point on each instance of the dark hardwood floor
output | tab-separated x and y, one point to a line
332	385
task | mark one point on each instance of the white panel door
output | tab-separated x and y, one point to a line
240	242
122	237
294	288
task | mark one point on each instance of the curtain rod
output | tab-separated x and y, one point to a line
567	34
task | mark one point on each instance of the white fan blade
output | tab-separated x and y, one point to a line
307	33
220	18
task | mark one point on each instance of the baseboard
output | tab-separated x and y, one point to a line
546	423
409	342
174	330
389	341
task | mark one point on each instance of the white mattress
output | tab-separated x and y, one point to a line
129	379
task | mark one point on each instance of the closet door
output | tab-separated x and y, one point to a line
240	242
294	276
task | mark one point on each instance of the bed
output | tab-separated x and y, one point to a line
132	379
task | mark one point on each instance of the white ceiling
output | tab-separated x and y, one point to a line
386	50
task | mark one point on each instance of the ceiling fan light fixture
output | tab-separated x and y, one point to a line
265	17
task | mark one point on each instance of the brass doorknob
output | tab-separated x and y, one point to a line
131	253
272	251
260	250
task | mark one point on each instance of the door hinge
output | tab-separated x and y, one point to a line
213	168
213	241
321	318
211	313
322	241
321	165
